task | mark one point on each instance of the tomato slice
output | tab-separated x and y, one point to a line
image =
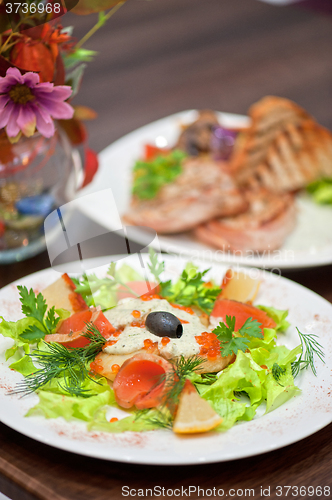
103	325
71	331
151	152
241	312
141	381
139	287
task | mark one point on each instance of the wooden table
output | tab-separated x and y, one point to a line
156	58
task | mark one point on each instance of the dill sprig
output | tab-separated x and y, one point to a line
159	418
58	361
310	349
174	383
182	368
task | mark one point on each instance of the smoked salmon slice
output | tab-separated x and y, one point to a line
142	381
242	312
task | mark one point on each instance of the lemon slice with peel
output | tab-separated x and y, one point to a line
239	286
194	413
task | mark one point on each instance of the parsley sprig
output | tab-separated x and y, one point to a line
231	341
191	290
35	307
57	361
310	348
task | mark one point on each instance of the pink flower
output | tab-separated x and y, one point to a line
26	104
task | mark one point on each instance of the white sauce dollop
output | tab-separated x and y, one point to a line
132	338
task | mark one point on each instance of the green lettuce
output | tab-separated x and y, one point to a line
14	330
53	403
278	315
321	191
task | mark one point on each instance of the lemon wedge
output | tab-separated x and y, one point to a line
194	413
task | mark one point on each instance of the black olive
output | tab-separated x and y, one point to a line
164	324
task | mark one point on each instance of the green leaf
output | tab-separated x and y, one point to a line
278	315
51	320
74	78
33	334
252	328
14	330
191	289
321	191
85	7
230	342
79	56
151	176
24	366
32	306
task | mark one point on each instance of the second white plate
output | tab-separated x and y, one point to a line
309	245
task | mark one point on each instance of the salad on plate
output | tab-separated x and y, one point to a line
128	353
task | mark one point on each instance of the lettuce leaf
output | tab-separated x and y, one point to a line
14	330
54	404
278	315
130	423
126	273
251	374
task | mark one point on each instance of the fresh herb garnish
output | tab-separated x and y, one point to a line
321	190
191	290
229	341
160	418
35	307
310	348
277	372
151	176
174	384
182	368
57	361
102	291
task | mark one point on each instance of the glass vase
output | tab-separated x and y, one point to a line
35	178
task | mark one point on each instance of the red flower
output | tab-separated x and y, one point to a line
37	50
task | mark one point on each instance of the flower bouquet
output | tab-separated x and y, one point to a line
41	70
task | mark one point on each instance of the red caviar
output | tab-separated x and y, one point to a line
209	344
138	323
115	368
165	340
183	308
96	366
114	419
117	333
149	345
110	342
147	297
136	314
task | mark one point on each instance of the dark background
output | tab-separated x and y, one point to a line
158	57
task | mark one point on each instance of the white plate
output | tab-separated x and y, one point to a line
310	244
295	420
